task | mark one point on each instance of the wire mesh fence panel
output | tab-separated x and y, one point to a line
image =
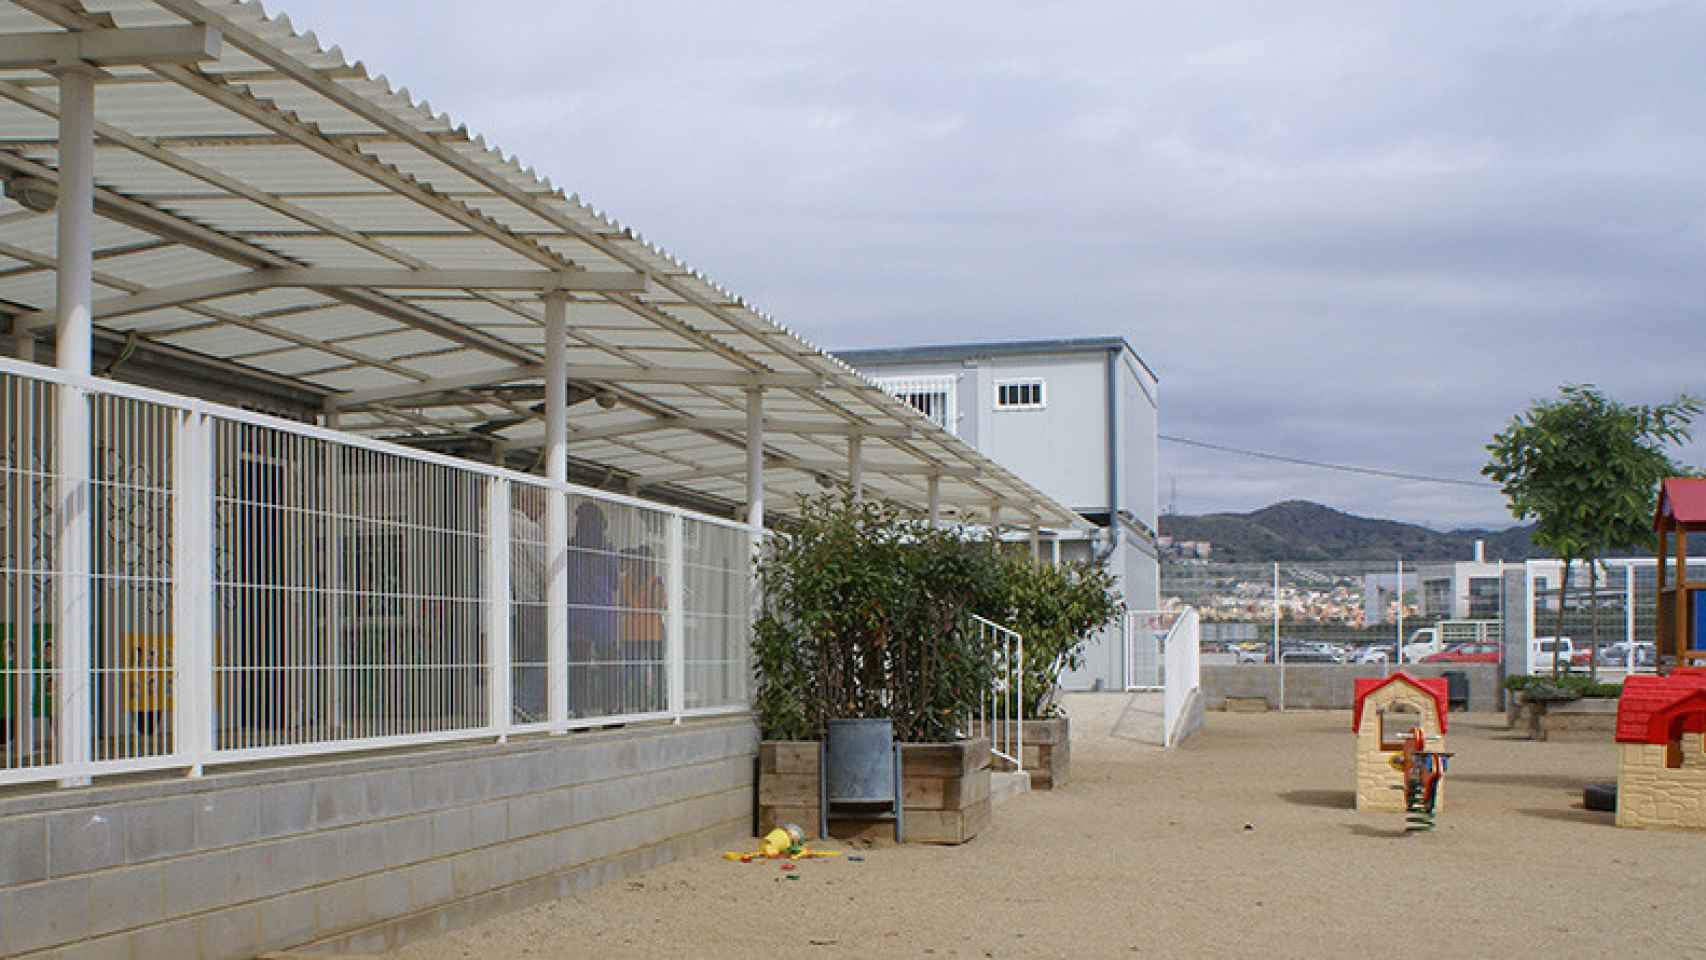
1606	622
618	598
1337	611
132	651
28	431
717	613
1145	633
348	592
529	650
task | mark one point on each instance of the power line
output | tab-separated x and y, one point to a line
1323	465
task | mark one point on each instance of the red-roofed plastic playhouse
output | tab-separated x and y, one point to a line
1400	724
1661	763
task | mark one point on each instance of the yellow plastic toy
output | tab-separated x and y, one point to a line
787	841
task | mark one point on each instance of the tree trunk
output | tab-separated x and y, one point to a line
1558	631
1593	618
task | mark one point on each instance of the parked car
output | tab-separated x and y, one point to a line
1311	652
1372	653
1617	654
1546	651
1467	653
1251	654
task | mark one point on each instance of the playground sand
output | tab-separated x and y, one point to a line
1241	843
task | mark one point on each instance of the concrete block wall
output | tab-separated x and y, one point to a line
1327	686
361	853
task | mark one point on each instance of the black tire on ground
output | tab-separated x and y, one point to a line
1600	796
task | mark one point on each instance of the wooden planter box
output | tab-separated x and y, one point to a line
1048	752
945	788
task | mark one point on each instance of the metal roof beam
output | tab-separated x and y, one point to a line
110	48
481	378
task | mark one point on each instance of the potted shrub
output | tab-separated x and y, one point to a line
1056	609
865	617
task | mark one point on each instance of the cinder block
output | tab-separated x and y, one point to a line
431	787
472	782
126	898
79	841
490	823
23	850
288	921
452	831
390	793
43	915
407	841
161	828
225	818
387	894
430	884
339	801
100	948
341	906
175	939
286	808
231	934
471	873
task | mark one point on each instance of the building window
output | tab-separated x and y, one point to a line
1020	395
1486	598
931	396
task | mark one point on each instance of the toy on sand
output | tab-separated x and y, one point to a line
1400	723
785	842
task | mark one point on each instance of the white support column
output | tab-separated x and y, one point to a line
74	335
1036	540
557	510
1057	550
497	612
755	462
995	524
192	590
1277	626
675	659
935	502
856	466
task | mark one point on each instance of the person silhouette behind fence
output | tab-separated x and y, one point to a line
594	575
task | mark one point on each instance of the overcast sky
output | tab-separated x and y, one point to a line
1361	232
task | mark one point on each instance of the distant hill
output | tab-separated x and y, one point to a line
1301	530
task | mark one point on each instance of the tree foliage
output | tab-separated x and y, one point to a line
1056	609
1587	469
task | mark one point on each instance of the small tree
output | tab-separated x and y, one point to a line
1587	469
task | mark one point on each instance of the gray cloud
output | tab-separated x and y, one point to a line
1357	232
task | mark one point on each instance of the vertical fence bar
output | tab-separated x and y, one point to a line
1398	617
676	655
499	711
1629	617
1276	614
557	609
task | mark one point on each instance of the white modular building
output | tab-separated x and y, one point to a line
1076	418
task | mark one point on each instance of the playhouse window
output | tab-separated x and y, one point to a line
1403	716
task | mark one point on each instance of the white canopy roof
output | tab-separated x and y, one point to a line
279	212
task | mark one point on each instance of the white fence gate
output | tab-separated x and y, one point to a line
1182	670
1001	711
1145	632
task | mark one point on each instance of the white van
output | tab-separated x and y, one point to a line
1544	651
1423	643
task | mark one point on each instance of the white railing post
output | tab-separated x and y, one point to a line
1019	705
497	607
675	658
192	589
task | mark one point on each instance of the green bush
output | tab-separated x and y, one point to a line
866	613
1055	609
1565	687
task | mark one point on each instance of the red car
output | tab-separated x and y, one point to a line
1467	653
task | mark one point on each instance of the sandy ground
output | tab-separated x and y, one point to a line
1148	853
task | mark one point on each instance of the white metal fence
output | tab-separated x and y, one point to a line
212	585
1145	633
1001	710
1182	674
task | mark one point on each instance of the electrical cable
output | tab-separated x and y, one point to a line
1323	465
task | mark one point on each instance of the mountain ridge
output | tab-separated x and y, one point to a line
1305	530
